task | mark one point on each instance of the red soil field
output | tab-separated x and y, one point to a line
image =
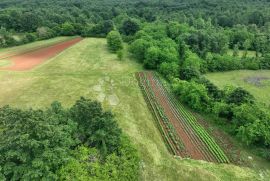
32	59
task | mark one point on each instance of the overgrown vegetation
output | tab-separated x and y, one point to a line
82	143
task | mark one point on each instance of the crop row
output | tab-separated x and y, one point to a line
173	142
211	146
193	138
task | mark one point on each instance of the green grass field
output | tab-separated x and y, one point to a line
256	82
241	53
89	69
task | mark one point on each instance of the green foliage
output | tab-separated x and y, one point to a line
265	62
152	58
121	166
114	41
190	68
216	62
95	127
193	94
252	122
213	91
67	29
174	29
34	143
98	30
169	70
130	27
86	165
39	145
46	33
239	96
120	54
30	37
138	48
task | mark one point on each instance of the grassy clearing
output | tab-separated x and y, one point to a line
88	69
256	82
241	53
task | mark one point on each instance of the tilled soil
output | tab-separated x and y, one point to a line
194	147
29	60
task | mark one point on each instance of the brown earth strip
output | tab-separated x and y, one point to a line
191	148
32	59
12	53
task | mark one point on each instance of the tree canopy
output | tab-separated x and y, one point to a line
82	142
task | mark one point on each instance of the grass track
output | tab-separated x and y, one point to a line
88	69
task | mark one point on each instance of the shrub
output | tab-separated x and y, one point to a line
114	41
169	70
120	54
239	96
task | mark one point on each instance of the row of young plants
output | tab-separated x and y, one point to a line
211	145
194	139
172	140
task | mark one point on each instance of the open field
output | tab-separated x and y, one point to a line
89	69
256	82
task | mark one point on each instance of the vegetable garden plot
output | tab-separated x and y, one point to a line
183	135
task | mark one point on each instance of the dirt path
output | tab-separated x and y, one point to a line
32	59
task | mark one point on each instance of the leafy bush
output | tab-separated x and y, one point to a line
239	96
114	41
193	94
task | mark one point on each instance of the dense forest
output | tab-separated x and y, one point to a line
181	39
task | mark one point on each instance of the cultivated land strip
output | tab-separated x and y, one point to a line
29	60
19	50
184	128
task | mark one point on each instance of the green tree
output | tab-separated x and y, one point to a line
193	94
239	96
191	66
152	58
138	48
96	128
34	143
120	54
114	41
67	29
130	27
169	70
